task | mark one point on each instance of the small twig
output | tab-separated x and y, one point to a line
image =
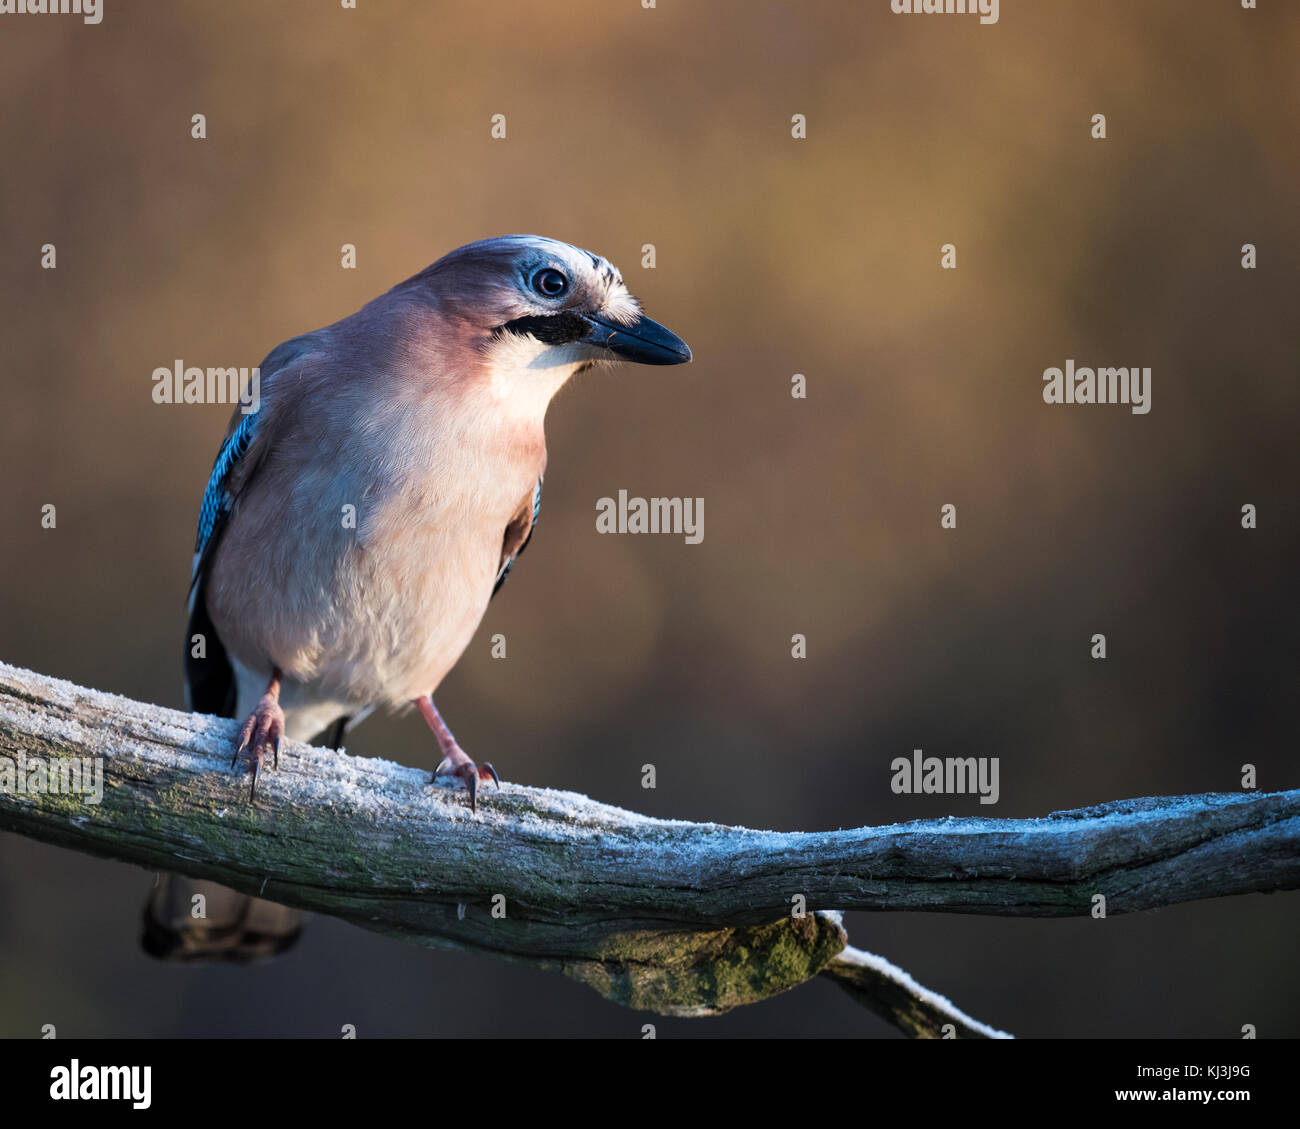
894	996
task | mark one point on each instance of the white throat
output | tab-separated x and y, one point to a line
524	373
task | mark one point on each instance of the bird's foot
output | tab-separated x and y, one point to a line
457	763
263	731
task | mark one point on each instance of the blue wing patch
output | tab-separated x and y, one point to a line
216	498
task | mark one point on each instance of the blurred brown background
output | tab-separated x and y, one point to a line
672	126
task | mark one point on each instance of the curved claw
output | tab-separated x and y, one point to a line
469	772
263	732
245	735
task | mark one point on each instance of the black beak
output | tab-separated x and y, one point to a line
646	342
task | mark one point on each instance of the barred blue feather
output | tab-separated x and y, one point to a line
216	498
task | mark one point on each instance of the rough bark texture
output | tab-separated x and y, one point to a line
673	917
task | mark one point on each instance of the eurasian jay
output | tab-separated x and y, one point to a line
358	522
356	525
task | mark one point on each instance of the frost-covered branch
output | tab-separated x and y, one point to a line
669	916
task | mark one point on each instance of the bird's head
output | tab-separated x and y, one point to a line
539	304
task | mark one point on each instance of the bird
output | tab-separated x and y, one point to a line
356	525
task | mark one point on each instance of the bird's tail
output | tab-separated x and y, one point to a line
188	919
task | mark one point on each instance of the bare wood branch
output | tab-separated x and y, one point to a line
670	916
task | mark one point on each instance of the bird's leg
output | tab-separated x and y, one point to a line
263	730
455	761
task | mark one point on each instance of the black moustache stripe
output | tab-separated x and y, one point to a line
555	329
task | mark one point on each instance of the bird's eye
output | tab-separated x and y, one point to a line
550	283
